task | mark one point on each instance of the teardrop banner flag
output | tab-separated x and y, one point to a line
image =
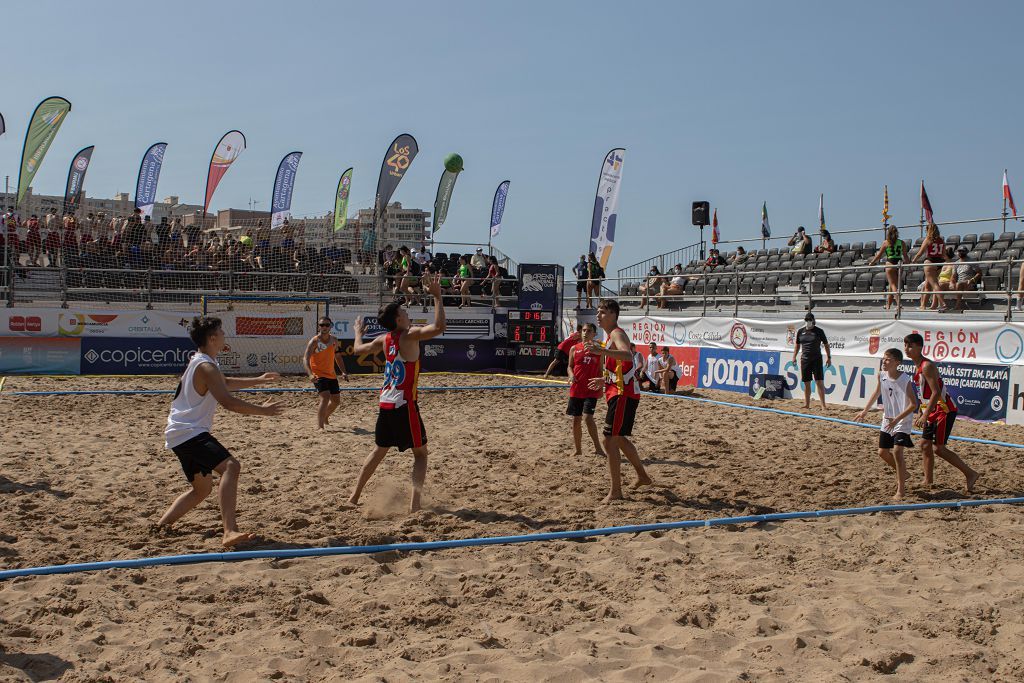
224	154
149	176
284	184
341	200
3	126
75	189
498	207
606	206
452	167
42	129
396	163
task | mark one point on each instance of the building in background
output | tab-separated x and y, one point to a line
120	205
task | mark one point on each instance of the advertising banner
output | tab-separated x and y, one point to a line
732	369
849	381
149	176
284	185
460	324
119	356
397	161
341	200
445	187
498	207
42	129
438	355
1015	397
224	154
39	356
539	287
58	322
256	355
606	206
75	188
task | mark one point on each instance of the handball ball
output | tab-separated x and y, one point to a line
246	240
453	163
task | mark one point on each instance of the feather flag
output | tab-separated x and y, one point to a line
885	206
821	212
926	206
1007	195
714	228
766	230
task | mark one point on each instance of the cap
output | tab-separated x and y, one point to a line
479	249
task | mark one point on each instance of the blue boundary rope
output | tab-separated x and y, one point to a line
282	390
488	540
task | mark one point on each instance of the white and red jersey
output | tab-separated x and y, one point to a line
620	378
400	376
945	404
585	367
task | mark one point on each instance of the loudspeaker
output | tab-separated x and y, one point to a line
701	213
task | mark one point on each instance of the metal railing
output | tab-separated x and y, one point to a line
663	261
724	291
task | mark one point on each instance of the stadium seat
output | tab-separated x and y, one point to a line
992	255
1001	245
832	283
856	246
872	245
818	284
975	255
1007	236
773	251
983	246
745	284
864	282
848	283
987	237
969	239
879	283
1011	252
844	247
771	285
758	285
952	239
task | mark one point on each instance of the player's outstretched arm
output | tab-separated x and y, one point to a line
214	381
236	383
359	347
432	284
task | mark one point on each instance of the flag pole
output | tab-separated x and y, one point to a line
921	221
1004	202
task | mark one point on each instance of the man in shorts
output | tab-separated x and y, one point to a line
622	395
649	374
200	390
937	415
583	367
669	379
398	420
809	341
321	359
899	403
562	352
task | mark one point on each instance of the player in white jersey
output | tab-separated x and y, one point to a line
899	404
200	390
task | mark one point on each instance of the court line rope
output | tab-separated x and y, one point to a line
197	558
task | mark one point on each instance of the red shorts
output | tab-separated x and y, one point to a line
938	428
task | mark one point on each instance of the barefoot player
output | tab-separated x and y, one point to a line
202	387
583	367
321	357
899	403
937	416
622	394
398	420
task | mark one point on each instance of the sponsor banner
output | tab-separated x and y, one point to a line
74	191
539	287
256	355
849	381
498	207
732	369
121	356
42	129
57	322
949	341
341	200
224	154
268	326
460	324
438	355
284	185
396	162
445	187
149	176
1015	398
606	211
39	356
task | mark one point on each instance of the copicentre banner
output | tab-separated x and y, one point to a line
445	187
149	175
396	163
498	207
42	129
224	154
74	190
284	184
341	200
606	212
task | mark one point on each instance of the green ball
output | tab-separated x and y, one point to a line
453	163
246	240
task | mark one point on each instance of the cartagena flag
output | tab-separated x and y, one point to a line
1007	196
714	228
885	206
926	206
821	212
766	230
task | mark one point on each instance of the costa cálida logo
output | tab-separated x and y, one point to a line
399	160
874	337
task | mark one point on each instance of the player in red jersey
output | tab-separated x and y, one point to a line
583	367
622	395
398	420
937	414
562	352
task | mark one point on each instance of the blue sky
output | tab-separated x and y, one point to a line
733	102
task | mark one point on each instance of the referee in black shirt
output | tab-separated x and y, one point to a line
809	341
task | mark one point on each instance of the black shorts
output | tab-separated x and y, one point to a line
621	416
934	260
200	455
938	428
887	440
561	357
581	285
401	428
330	384
581	406
812	368
893	261
673	382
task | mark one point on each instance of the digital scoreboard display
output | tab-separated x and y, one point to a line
531	327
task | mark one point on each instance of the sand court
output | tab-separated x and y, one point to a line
83	478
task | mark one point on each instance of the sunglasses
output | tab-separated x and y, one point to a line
326	324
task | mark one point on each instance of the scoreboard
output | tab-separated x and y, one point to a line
531	327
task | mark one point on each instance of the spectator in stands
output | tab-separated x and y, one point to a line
163	232
409	272
946	274
669	372
423	257
580	271
894	250
463	280
933	251
827	246
69	242
51	221
493	279
673	287
651	284
595	278
479	261
800	243
33	241
966	276
740	256
715	259
51	247
651	369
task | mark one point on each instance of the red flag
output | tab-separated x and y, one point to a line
926	205
714	228
1007	196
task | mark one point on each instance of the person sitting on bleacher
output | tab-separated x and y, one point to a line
651	284
827	246
800	242
715	259
966	276
740	256
673	287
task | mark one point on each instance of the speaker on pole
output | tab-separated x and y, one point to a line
701	213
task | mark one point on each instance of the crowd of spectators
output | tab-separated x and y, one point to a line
462	275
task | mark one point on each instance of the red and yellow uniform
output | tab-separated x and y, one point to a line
622	394
939	423
398	420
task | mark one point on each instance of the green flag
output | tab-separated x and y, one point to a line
444	197
42	129
341	200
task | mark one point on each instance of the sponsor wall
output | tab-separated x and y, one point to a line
39	356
